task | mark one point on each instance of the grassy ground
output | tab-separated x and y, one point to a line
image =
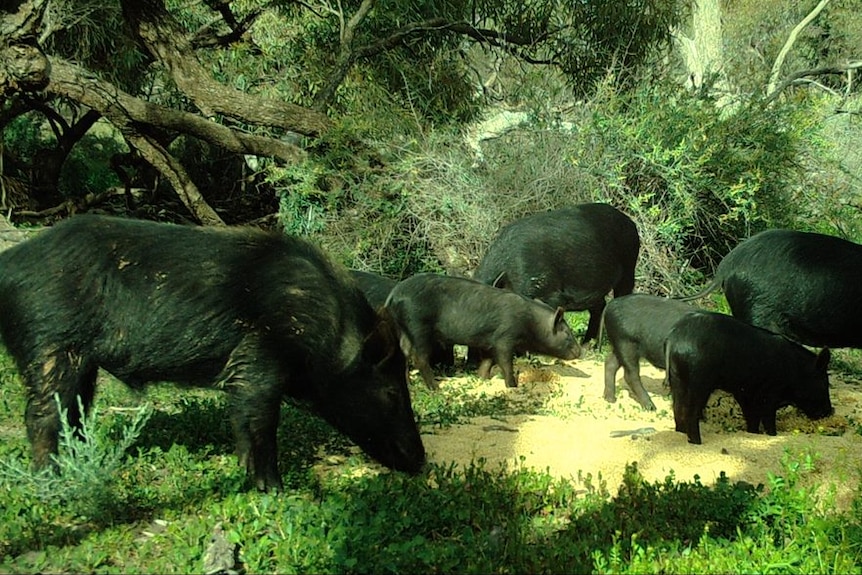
177	503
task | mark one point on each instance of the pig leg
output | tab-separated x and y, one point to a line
679	415
65	374
695	404
769	423
612	366
255	382
504	358
485	362
679	395
422	350
633	379
484	369
423	363
630	360
419	351
753	415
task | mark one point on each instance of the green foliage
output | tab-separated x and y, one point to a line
756	30
87	32
157	510
87	469
457	402
696	177
87	169
23	134
428	73
459	207
832	158
646	515
776	531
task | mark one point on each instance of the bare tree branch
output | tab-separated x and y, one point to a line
346	56
484	35
122	108
779	60
176	174
25	22
23	67
130	114
796	76
206	37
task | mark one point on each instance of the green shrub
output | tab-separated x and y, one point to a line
696	177
87	467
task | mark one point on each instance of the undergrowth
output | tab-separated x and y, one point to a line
151	485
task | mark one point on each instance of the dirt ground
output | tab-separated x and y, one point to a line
576	432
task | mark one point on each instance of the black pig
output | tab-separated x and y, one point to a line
431	307
762	370
376	289
637	326
258	314
570	258
804	285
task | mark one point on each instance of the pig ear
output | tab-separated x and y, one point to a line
823	358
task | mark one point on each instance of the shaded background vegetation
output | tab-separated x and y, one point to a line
405	135
400	180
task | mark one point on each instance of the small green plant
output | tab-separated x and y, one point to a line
88	465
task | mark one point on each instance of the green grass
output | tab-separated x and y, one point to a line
178	482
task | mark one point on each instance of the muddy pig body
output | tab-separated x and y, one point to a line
804	285
570	258
762	370
637	326
260	315
431	307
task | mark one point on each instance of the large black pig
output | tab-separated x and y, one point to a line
762	370
804	285
431	307
570	258
259	314
637	326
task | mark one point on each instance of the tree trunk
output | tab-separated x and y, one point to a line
45	180
702	50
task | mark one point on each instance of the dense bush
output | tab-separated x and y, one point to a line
695	177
